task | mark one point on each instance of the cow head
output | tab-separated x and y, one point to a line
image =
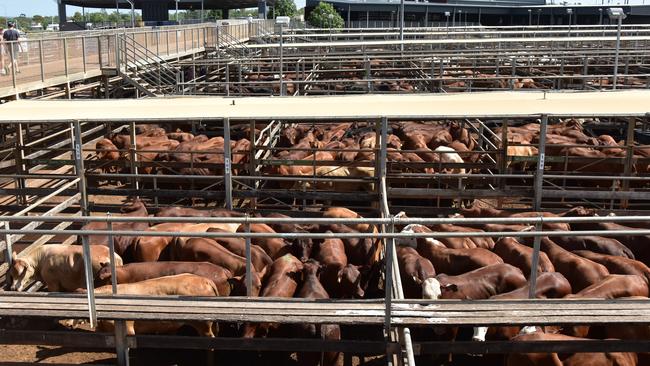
238	285
312	268
349	278
137	205
104	275
302	248
432	289
21	274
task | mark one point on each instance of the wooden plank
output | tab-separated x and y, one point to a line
496	347
99	340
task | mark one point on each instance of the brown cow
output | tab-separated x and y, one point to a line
274	247
136	272
549	285
259	259
616	264
123	244
344	213
638	244
154	248
185	284
208	250
59	267
521	256
176	211
312	289
481	283
360	251
485	242
580	272
452	243
615	286
331	255
457	261
576	359
414	269
598	244
284	277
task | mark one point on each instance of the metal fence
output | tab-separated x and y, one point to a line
56	60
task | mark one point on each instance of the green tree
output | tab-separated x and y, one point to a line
37	19
97	18
320	16
77	17
213	14
286	8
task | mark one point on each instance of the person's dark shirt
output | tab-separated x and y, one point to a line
10	35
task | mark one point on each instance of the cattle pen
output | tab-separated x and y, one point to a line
38	213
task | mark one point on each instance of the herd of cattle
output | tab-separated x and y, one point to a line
463	268
568	139
343	268
328	150
475	268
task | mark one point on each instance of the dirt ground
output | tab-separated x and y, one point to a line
19	355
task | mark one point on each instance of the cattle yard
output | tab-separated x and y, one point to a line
367	185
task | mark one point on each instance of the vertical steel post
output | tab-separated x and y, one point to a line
389	280
618	48
9	252
99	52
227	171
90	287
83	52
133	156
41	59
65	56
19	157
401	25
121	348
532	280
79	167
281	61
629	157
539	174
79	170
249	266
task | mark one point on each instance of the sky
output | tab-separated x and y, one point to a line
48	7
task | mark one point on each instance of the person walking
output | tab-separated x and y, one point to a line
10	36
3	70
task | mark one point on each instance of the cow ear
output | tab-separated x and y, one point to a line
416	280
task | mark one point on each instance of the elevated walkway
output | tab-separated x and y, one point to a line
59	61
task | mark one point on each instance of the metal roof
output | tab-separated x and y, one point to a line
171	4
424	106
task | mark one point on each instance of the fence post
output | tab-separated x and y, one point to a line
539	174
227	162
532	280
83	52
9	253
41	59
19	157
629	158
79	169
99	52
133	156
122	351
249	278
